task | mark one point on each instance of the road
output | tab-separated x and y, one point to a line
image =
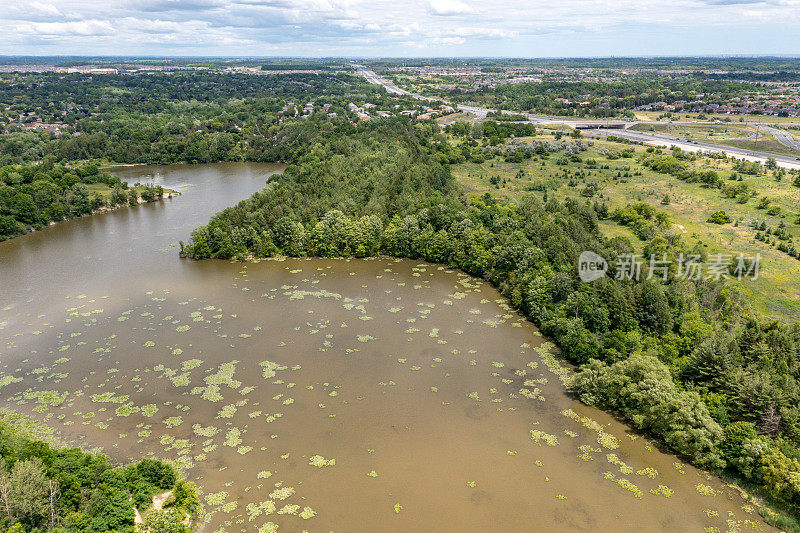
654	139
478	111
783	137
388	85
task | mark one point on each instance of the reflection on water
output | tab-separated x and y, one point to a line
323	395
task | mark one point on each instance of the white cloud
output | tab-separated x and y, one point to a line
449	40
45	9
389	27
83	28
447	8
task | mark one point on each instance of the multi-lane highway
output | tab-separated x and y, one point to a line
783	137
377	80
655	139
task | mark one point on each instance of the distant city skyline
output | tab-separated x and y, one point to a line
461	28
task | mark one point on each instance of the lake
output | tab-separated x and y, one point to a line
319	395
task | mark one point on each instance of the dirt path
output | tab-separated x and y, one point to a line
158	504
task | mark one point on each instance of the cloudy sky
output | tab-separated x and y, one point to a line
530	28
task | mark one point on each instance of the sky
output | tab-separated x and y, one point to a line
395	28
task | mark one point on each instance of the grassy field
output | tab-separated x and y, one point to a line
764	143
105	191
760	119
774	294
698	133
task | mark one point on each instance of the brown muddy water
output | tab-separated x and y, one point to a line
319	395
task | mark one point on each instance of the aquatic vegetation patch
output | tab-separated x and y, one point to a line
8	380
281	493
46	397
289	509
321	462
650	472
210	393
190	364
233	437
216	498
625	484
307	513
224	376
705	490
149	410
623	467
606	440
663	490
539	436
269	369
531	394
109	397
126	409
173	421
227	411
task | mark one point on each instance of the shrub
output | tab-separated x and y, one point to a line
719	217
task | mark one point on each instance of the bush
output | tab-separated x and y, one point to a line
156	473
719	217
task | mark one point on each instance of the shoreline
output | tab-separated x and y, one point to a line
168	195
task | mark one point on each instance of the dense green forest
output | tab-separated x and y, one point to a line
183	117
192	116
681	359
66	490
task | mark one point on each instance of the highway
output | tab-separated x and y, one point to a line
388	85
480	112
654	139
783	137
